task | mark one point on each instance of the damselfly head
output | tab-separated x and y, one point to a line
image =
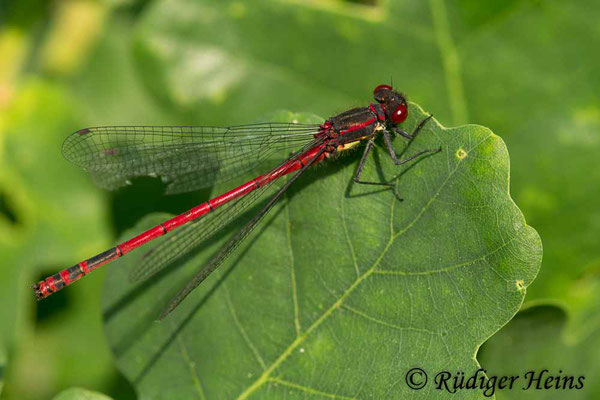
393	103
382	93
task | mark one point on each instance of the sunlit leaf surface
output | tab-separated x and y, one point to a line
343	288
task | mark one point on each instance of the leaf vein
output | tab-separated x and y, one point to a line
309	389
451	267
192	368
292	269
240	327
385	323
347	235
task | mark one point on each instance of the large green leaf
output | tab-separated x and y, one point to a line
344	289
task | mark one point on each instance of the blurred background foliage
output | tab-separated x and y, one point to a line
525	68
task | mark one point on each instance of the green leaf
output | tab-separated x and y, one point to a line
343	288
80	394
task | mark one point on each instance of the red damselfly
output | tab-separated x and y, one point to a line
192	157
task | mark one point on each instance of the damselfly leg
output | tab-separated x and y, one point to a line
388	144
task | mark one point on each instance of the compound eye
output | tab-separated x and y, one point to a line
378	88
400	113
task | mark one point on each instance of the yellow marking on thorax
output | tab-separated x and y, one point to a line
349	145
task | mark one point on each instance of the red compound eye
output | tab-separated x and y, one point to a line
399	114
388	87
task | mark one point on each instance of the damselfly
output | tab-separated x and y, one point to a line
192	157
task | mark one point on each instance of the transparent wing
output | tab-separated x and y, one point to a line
188	238
185	157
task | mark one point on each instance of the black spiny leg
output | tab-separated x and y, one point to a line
388	144
415	132
361	165
411	137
